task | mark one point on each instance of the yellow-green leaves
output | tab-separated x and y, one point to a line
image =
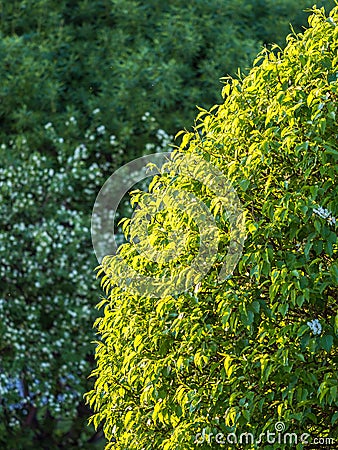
262	346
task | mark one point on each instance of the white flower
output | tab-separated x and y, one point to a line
161	134
149	146
96	111
324	214
112	139
48	125
315	326
321	212
80	152
101	129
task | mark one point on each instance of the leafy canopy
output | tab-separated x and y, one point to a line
262	346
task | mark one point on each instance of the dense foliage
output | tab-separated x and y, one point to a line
85	86
259	352
127	58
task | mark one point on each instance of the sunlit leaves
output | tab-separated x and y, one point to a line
261	347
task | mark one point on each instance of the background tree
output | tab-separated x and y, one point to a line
86	86
257	353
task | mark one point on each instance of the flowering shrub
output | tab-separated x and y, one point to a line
257	353
45	298
48	288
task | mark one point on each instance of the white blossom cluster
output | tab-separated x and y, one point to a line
95	137
71	121
164	139
147	116
325	214
315	326
49	289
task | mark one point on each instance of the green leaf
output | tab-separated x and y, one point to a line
244	184
256	306
334	418
326	342
137	341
